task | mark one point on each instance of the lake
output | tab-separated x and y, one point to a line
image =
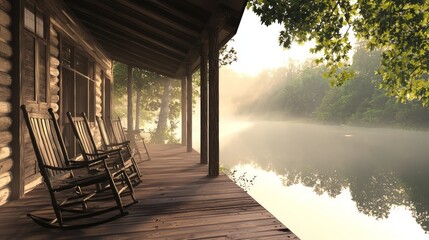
333	182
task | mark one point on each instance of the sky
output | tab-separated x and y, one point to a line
258	47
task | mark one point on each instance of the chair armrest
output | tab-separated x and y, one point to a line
118	144
106	152
76	162
82	164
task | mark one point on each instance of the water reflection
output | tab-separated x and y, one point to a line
381	168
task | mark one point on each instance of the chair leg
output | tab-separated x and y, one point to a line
145	148
140	139
137	150
57	210
116	195
130	186
136	167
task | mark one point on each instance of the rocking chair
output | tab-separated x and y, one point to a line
108	144
90	151
72	187
120	136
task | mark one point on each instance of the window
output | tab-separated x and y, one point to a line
78	89
78	75
35	57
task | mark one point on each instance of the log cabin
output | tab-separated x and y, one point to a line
58	54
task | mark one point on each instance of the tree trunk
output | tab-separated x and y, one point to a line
161	129
139	95
130	100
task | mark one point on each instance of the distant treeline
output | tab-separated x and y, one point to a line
302	92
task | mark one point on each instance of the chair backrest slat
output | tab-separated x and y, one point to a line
106	136
47	142
118	131
83	135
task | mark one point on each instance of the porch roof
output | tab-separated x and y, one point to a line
163	36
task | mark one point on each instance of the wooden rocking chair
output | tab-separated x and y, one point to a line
109	142
90	151
120	136
71	186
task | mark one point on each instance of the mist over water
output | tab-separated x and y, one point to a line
371	178
327	181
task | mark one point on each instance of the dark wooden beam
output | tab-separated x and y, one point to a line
133	63
183	10
216	24
130	102
171	23
18	170
139	57
189	108
203	102
128	30
129	17
183	102
101	32
214	104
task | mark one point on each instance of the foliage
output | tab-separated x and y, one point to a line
359	101
152	89
146	82
227	55
399	28
242	180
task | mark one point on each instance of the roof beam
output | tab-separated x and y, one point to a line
168	7
117	50
146	67
102	34
159	18
126	29
129	17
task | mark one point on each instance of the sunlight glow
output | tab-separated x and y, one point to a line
258	47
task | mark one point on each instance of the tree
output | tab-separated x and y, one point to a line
161	129
399	28
147	89
157	98
143	81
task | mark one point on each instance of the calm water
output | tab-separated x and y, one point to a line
334	182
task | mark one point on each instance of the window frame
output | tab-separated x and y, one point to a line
38	11
90	110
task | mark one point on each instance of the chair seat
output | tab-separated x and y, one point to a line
81	179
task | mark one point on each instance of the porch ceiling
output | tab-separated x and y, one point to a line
158	35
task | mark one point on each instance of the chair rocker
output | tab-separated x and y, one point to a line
120	136
72	188
90	151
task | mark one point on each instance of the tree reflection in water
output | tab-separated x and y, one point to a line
377	181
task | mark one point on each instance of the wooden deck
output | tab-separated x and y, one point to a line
176	201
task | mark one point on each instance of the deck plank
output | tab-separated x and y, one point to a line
176	201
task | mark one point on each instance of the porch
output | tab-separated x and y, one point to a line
176	201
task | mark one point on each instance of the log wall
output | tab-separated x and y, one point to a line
61	24
6	162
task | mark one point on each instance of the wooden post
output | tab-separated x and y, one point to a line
189	109
17	144
203	140
214	103
216	24
130	101
183	102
